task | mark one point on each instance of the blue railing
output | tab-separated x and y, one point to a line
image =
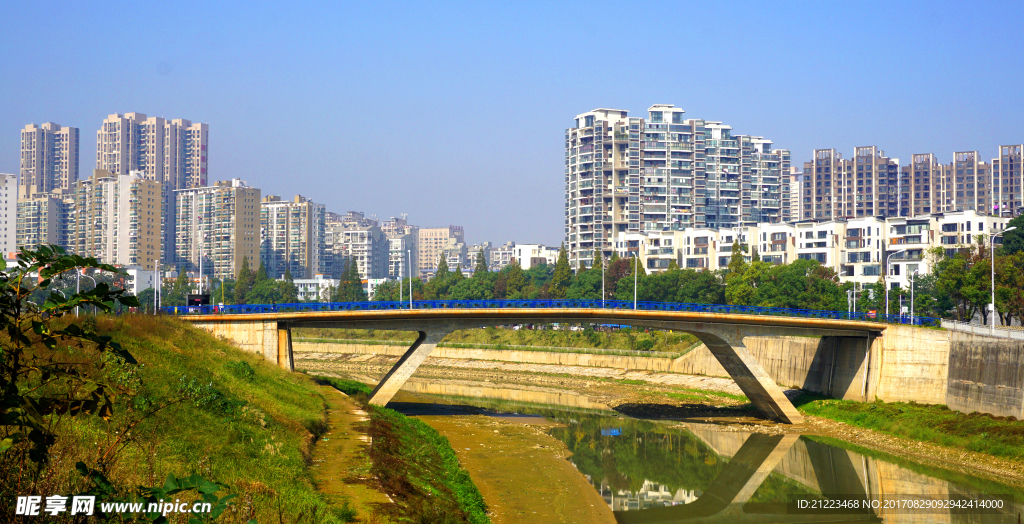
531	304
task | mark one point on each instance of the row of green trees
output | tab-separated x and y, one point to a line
255	287
959	286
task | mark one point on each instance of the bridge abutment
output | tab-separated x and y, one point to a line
269	338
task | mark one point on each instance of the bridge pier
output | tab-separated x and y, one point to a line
755	382
406	366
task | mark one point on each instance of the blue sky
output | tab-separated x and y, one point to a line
455	112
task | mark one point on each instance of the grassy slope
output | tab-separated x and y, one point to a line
417	466
998	436
249	424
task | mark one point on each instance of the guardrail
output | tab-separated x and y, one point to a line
535	304
1011	332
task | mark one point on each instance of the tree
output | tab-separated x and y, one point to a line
515	280
737	264
177	295
261	274
586	286
37	384
1010	287
481	264
598	262
265	291
1013	241
244	282
561	279
442	268
287	288
350	288
472	289
624	286
146	300
618	268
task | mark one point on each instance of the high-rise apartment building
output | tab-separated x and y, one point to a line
404	246
44	218
370	249
220	224
292	237
116	219
49	158
924	186
172	152
1008	180
663	173
970	190
432	243
8	213
866	185
796	181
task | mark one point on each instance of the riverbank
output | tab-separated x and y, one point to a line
414	465
194	404
669	396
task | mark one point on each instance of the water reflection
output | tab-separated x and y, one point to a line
663	471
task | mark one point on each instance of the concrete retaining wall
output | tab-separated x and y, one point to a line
912	365
665	365
986	374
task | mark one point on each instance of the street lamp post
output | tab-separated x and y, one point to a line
410	278
602	284
636	270
885	279
913	278
849	295
992	255
156	287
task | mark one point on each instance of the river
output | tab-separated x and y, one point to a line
540	454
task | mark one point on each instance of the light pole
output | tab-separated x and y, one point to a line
636	270
885	280
410	279
913	277
156	286
849	294
159	287
602	284
992	255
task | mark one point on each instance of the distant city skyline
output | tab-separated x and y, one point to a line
455	114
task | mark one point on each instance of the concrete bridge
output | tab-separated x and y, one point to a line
722	333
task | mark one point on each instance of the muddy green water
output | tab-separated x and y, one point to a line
671	471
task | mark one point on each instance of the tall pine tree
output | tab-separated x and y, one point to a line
261	274
244	283
289	291
481	264
562	277
442	268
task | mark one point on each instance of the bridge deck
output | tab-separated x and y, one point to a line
542	315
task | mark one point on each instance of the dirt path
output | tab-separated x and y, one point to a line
340	461
521	471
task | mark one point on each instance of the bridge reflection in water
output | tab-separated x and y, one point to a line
661	472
